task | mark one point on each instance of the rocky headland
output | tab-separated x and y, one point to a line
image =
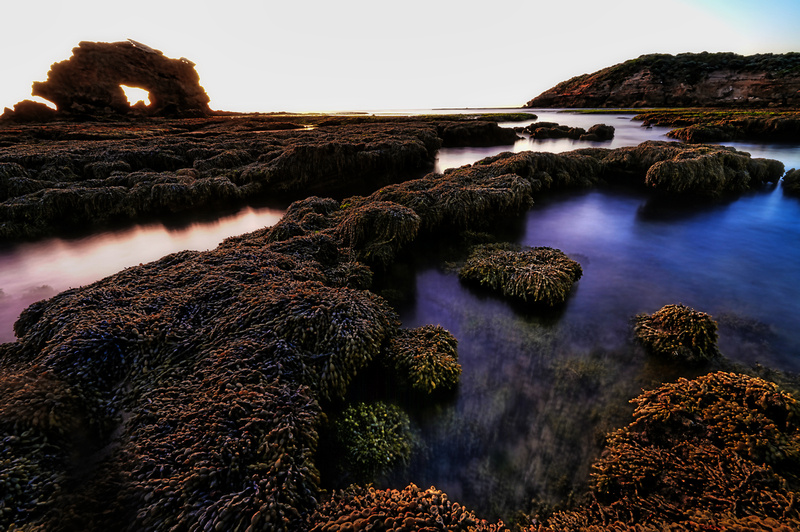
683	80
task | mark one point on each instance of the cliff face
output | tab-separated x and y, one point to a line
685	80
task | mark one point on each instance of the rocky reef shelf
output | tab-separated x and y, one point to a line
191	392
78	176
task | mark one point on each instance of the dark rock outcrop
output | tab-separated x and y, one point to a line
685	80
29	111
552	130
89	82
791	182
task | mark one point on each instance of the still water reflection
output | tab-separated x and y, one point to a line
30	272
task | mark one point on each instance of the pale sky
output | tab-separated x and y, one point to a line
327	55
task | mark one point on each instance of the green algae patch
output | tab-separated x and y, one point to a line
535	275
374	437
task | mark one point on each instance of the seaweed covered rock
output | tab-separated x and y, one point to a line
412	508
791	182
719	452
373	438
600	132
719	125
698	171
535	275
475	133
378	229
126	172
678	332
427	357
552	130
711	172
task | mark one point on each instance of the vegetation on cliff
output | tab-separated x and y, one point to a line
684	80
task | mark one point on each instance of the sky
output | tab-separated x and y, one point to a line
326	55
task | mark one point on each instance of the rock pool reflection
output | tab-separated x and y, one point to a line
34	271
538	392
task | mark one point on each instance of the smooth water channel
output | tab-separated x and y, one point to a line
538	391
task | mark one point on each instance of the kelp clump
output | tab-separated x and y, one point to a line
378	229
791	182
536	275
720	452
373	437
427	357
412	508
711	171
678	332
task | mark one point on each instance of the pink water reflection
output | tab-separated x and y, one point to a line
30	272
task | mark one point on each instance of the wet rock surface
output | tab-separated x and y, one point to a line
189	393
791	182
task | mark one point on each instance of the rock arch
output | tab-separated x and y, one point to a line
89	82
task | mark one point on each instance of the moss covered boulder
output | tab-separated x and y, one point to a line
678	332
535	275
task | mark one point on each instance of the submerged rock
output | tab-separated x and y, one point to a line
372	438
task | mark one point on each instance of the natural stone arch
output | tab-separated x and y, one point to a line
89	81
134	95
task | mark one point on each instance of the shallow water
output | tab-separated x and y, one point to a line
33	271
539	391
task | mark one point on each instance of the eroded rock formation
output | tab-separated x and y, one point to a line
89	82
